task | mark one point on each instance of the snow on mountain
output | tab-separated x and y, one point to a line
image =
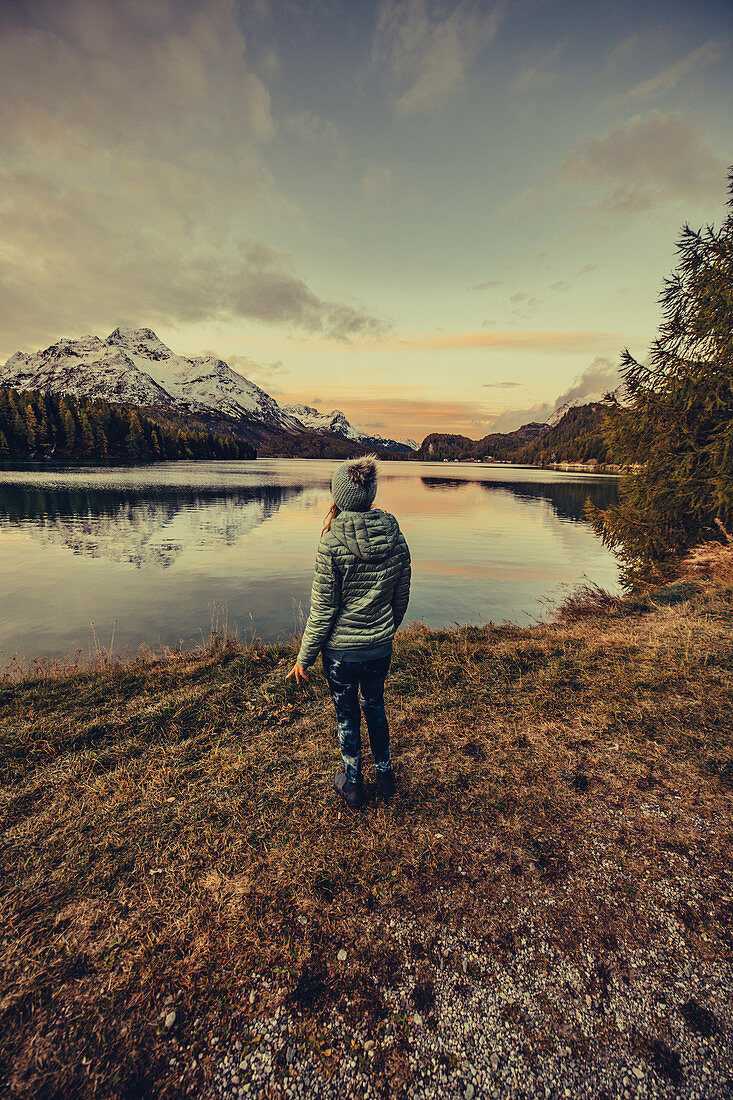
88	367
335	423
200	384
135	367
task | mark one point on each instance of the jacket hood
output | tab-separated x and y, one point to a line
368	535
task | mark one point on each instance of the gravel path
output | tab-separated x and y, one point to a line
532	1021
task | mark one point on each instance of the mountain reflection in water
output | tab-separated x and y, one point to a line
154	549
141	527
566	497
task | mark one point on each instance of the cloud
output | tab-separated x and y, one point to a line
525	304
652	159
264	375
500	385
517	338
535	71
559	286
588	268
597	379
131	166
406	416
311	127
430	47
487	285
669	77
376	180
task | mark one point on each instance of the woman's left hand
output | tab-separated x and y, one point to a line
298	672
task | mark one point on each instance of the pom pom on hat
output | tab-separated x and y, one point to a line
354	484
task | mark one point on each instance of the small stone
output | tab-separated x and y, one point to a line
468	1091
290	1055
369	1044
417	1019
235	1078
170	1019
588	1000
302	920
252	997
494	1062
638	1072
342	955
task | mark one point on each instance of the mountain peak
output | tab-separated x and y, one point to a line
138	335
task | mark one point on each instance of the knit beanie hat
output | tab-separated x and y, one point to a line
354	484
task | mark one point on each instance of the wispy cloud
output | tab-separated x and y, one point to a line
466	341
500	385
376	180
311	127
405	415
670	76
652	159
488	285
429	48
536	69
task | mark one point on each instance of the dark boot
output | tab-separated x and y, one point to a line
352	793
385	783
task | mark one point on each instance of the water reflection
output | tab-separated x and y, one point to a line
566	497
151	549
142	527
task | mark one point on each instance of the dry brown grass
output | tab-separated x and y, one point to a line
169	828
711	562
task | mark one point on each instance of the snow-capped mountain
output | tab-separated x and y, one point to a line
587	399
134	367
335	423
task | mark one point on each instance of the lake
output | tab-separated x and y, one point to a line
148	555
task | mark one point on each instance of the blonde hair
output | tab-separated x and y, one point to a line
331	514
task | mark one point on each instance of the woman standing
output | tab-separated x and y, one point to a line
359	597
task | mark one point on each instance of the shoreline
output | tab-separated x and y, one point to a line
551	876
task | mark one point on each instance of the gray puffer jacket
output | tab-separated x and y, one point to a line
361	585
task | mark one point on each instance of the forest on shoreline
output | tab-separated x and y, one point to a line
37	425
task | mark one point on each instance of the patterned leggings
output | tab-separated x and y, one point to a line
346	681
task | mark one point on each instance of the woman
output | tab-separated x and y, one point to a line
359	598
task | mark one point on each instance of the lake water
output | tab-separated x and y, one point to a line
149	554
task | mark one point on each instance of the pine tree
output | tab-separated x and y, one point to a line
4	446
675	434
69	426
135	443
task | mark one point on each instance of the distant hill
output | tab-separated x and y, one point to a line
575	437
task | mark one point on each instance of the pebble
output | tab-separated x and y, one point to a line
170	1019
485	1019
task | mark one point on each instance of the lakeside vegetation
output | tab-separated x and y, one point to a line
62	426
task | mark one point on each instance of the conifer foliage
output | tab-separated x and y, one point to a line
674	434
38	425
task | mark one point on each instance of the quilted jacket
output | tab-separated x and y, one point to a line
361	585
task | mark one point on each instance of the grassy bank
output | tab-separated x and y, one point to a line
171	844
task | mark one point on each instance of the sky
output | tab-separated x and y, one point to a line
435	215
